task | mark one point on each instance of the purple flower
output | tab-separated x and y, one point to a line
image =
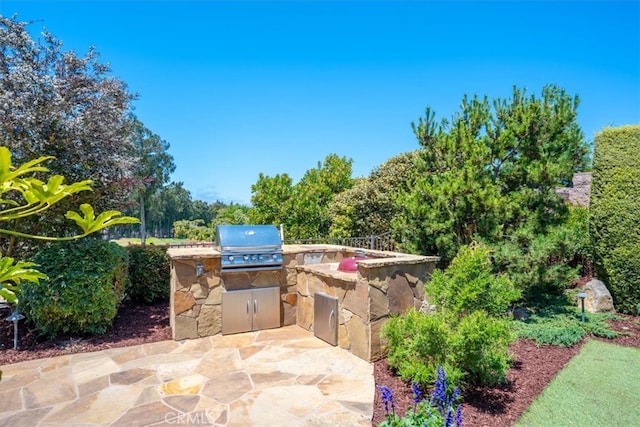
448	419
417	392
458	419
387	399
439	394
454	396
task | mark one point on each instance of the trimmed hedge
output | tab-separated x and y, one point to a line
149	274
615	214
87	281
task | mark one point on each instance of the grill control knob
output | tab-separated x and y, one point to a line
274	256
230	258
246	257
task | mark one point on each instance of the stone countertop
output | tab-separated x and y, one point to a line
371	263
195	251
377	258
329	269
210	250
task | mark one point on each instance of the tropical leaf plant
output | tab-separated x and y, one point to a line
12	273
22	194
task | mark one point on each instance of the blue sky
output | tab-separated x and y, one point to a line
239	88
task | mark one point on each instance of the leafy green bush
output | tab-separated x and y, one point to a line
149	271
614	215
469	333
193	230
87	280
473	349
548	262
480	347
469	284
418	343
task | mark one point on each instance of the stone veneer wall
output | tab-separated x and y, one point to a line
196	302
366	299
387	285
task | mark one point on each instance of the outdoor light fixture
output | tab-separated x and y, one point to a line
582	295
199	269
15	317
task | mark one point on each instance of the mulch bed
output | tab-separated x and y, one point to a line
134	324
534	366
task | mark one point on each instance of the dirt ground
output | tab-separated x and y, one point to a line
532	369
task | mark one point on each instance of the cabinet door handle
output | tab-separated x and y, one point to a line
247	307
331	315
255	306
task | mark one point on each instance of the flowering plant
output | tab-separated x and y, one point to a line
438	410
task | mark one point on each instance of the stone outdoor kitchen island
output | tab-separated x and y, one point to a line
384	284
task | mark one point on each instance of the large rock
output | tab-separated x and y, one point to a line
598	297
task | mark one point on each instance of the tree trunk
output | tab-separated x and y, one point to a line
143	224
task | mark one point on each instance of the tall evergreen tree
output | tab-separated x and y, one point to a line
490	170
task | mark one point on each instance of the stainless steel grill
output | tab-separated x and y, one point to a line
249	247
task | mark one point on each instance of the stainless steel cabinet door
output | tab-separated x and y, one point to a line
237	311
325	317
250	310
266	308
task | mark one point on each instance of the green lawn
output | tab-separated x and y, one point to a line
600	386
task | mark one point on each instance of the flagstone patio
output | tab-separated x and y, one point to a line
275	377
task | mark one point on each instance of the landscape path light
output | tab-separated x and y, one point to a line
15	317
582	295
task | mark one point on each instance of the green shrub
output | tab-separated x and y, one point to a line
614	221
469	284
87	280
149	274
469	333
480	347
473	349
548	263
418	343
193	230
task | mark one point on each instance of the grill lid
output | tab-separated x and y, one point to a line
249	247
242	238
